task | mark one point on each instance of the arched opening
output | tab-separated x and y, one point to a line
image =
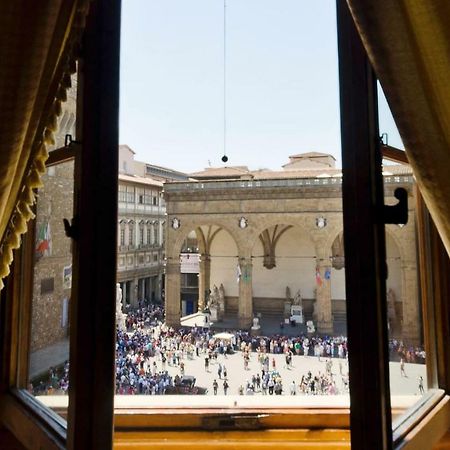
284	265
207	275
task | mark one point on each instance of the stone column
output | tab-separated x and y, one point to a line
134	293
245	305
410	304
172	293
204	281
323	309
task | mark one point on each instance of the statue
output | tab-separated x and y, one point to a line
120	316
256	327
213	304
298	299
221	301
214	298
288	294
287	303
310	326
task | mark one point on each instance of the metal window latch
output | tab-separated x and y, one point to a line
68	140
71	229
233	422
397	214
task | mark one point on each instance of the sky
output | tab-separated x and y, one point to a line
282	93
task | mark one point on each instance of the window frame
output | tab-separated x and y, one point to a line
91	403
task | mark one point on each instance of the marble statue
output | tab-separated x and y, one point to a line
298	299
221	301
310	326
120	316
255	329
214	297
213	304
288	294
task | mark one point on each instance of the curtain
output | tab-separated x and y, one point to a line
408	43
37	41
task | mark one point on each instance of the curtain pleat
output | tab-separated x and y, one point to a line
37	42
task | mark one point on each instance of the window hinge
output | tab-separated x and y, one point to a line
397	214
233	422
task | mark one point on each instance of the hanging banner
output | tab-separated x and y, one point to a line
67	277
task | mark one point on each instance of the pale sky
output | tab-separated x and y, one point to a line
282	82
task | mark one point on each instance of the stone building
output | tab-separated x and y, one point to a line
53	258
261	232
141	231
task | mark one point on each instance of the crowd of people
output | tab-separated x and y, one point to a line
148	348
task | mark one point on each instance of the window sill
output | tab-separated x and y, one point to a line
310	422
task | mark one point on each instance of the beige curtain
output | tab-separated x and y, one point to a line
408	42
37	39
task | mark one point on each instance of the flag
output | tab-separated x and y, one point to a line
318	277
238	272
327	274
44	241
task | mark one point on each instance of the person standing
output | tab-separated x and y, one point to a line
421	389
219	371
293	388
402	367
225	387
215	386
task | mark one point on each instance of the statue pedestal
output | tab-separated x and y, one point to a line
287	309
255	330
214	313
120	321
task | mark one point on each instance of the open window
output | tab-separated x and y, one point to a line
92	303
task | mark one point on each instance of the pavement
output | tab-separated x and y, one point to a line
54	355
237	375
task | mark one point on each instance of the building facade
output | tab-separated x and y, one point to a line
266	236
140	233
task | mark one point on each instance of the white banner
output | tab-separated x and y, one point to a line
190	262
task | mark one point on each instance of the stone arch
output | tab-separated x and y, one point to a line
293	266
176	240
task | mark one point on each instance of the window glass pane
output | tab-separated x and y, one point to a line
408	359
244	282
49	343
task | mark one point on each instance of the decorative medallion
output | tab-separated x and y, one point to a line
243	222
321	222
176	223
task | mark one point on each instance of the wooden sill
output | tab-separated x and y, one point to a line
175	428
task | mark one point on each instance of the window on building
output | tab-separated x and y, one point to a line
149	234
130	194
141	235
131	234
47	286
122	236
122	193
155	233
